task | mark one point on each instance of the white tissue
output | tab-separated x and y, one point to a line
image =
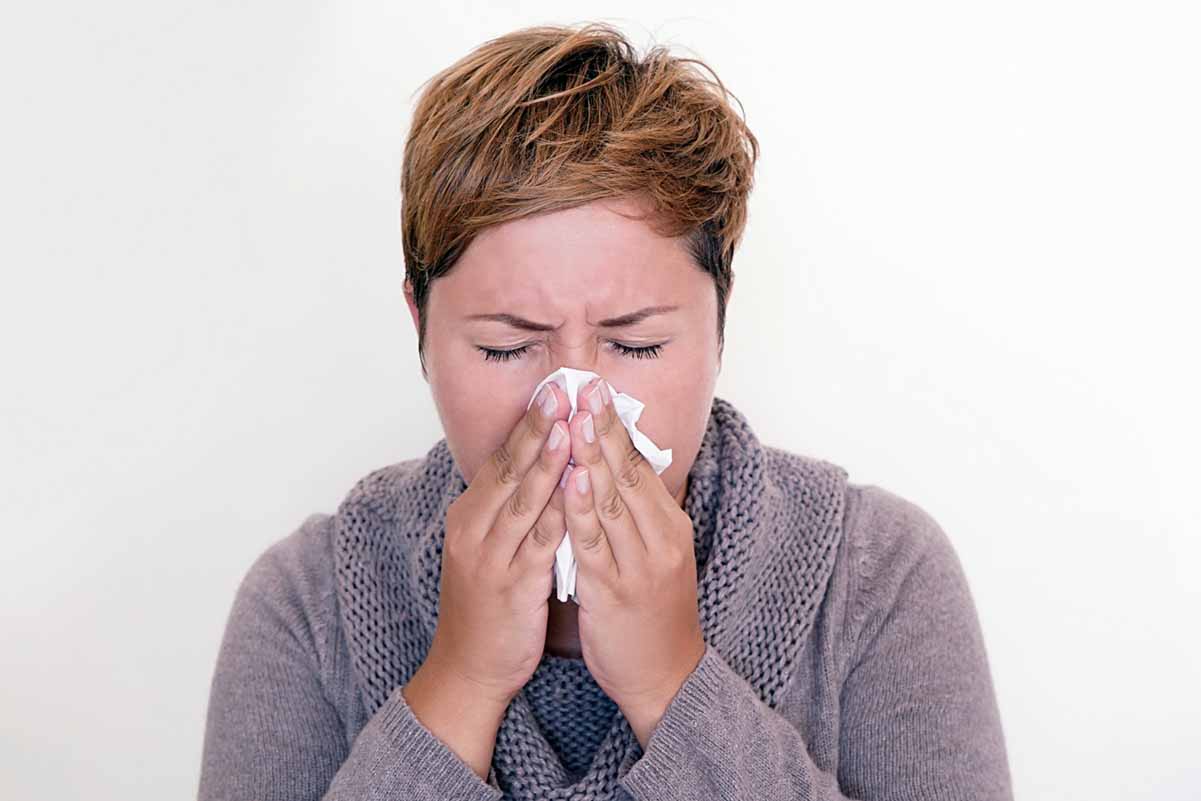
629	409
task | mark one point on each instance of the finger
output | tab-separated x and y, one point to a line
537	550
642	492
590	544
519	515
619	525
514	484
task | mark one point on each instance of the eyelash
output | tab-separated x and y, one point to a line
651	352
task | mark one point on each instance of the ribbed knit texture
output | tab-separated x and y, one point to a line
572	711
760	572
843	661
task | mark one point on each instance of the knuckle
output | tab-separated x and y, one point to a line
517	505
630	475
611	506
674	559
542	533
536	426
591	540
452	551
593	458
635	457
504	466
604	422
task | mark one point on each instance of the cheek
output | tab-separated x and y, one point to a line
676	415
479	406
660	419
673	396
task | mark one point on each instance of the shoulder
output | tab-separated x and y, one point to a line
882	526
297	566
883	534
290	586
298	570
381	493
898	556
294	578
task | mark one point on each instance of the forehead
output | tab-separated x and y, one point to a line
587	254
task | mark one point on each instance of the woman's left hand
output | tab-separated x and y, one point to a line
639	628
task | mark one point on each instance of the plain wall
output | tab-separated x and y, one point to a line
970	276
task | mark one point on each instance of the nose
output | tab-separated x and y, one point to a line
578	357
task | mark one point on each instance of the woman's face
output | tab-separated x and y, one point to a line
566	272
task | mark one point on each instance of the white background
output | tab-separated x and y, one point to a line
972	255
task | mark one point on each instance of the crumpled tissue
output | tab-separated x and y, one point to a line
629	409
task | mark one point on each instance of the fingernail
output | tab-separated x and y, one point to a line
581	482
563	478
605	392
589	431
594	400
546	399
556	437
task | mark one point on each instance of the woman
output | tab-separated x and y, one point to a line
749	625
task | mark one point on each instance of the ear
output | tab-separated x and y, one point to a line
729	296
412	304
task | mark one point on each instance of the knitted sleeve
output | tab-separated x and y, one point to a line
918	715
275	727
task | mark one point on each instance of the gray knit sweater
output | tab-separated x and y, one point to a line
844	657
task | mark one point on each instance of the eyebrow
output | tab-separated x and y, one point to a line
613	322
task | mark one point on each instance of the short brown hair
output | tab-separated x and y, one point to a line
550	117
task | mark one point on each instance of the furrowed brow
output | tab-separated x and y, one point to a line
621	321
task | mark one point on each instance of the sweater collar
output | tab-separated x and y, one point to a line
766	526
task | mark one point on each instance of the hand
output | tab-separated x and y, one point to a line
497	559
640	630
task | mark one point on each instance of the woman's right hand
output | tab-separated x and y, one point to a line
501	536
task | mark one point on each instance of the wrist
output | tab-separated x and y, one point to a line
645	711
465	720
643	716
455	683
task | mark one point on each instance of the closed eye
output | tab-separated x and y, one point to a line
649	352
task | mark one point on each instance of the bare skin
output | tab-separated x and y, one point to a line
501	536
563	624
569	270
